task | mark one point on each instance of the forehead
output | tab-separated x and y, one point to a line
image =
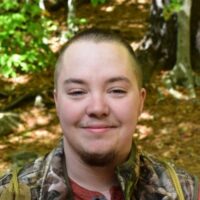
86	50
97	47
87	56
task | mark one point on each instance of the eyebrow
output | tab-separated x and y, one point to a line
110	80
119	79
74	80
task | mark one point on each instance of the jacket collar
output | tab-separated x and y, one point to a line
128	172
56	183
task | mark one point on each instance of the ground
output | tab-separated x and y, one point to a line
168	128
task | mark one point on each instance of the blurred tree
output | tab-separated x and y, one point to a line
172	41
54	5
23	38
73	22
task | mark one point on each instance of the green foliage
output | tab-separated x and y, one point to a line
23	33
96	2
73	25
173	7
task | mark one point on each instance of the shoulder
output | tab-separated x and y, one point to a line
28	178
26	174
167	176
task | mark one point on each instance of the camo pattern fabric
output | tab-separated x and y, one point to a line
141	178
155	183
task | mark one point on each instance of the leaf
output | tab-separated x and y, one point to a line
21	38
96	2
9	4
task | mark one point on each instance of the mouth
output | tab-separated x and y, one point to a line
99	128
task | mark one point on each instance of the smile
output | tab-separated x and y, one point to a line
99	129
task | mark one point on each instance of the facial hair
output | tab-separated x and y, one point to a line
97	160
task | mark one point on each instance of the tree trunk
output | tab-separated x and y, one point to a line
182	71
52	5
195	35
158	49
72	27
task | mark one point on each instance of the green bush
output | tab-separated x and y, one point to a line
96	2
171	8
23	32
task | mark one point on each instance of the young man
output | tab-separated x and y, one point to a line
99	97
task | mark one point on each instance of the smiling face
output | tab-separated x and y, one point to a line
98	101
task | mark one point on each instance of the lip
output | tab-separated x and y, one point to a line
99	129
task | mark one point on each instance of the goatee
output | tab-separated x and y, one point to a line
97	160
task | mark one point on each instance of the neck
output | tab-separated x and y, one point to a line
99	179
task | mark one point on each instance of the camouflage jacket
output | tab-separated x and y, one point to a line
141	178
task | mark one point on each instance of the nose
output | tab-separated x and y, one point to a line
98	106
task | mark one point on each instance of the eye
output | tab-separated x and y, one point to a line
117	92
76	93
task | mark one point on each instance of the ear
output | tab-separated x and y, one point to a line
55	96
142	99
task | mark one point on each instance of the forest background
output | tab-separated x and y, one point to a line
32	34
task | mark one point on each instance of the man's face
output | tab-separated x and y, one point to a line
98	101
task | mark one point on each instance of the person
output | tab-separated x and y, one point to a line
99	97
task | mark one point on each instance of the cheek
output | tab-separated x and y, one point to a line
67	111
127	111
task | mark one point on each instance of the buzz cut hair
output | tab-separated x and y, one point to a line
97	36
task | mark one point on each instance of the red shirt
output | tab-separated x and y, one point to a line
81	193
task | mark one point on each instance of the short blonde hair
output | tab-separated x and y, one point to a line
99	35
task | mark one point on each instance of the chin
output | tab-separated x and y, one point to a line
98	159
